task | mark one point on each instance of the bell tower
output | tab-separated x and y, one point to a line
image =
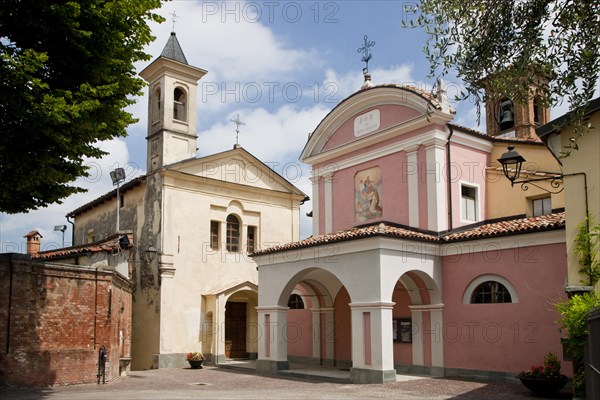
173	85
507	118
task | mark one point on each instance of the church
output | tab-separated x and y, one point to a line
423	258
194	222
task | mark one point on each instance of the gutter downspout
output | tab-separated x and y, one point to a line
95	306
9	314
448	180
72	230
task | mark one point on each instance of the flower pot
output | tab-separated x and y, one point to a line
196	364
543	386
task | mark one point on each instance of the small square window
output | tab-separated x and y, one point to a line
541	206
214	235
469	203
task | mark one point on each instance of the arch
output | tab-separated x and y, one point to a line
232	234
180	104
241	322
422	287
481	279
329	283
406	96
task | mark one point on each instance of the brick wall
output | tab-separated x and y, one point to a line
53	318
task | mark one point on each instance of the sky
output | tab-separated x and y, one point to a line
282	66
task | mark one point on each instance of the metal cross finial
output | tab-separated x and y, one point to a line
365	49
237	123
174	18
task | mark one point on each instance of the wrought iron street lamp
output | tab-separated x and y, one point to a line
512	163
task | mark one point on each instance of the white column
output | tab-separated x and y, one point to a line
418	357
323	326
436	187
412	171
435	332
316	333
328	202
380	346
437	346
272	342
315	205
219	334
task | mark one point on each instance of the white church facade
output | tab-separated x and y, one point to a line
194	222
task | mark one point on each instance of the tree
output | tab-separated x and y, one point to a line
67	75
516	42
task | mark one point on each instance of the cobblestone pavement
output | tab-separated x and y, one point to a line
215	383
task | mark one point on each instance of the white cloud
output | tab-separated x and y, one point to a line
271	136
232	46
350	82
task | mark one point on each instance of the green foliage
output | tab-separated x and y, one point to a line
516	42
587	249
574	320
67	75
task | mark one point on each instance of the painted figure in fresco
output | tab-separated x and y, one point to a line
369	202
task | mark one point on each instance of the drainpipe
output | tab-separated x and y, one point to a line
95	306
8	314
448	180
72	230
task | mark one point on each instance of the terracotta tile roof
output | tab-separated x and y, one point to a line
108	196
471	232
354	233
483	135
511	226
111	244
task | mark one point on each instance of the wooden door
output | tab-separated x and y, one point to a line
235	330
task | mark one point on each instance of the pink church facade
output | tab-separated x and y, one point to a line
408	268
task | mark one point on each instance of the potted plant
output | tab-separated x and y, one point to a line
544	379
196	359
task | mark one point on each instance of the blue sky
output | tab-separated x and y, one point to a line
281	65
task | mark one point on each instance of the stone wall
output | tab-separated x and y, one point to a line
54	318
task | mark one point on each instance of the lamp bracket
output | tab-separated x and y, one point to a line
556	183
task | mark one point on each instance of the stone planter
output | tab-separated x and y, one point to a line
196	364
545	387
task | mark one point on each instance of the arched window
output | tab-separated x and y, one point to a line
295	302
179	105
490	292
233	234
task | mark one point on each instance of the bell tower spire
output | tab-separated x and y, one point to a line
173	85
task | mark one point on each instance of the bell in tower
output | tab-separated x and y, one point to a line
506	115
512	119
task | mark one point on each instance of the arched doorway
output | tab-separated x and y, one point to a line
234	333
417	324
240	325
